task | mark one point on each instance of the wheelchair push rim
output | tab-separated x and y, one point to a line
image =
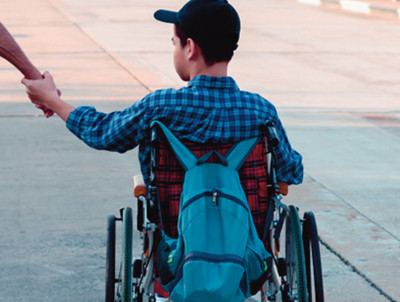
313	258
110	259
295	288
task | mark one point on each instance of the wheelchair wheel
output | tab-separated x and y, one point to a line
311	247
296	286
126	265
110	259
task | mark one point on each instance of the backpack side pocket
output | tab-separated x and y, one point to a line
258	266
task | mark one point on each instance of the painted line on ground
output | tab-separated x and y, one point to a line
354	6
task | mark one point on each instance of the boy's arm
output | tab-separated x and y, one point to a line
118	131
44	92
62	109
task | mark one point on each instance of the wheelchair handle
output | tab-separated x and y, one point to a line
272	136
283	188
139	188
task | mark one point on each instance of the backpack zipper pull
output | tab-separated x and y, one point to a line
215	199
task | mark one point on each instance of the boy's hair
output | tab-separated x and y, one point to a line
213	24
213	51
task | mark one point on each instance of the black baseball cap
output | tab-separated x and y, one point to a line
206	20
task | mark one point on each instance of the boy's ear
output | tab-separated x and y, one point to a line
193	49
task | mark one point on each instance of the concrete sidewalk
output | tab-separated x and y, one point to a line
333	77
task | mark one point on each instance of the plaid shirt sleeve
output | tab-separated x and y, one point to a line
117	131
288	161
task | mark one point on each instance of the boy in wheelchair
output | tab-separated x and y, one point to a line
211	110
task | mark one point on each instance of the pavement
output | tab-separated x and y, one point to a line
332	74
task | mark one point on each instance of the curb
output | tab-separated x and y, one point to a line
360	7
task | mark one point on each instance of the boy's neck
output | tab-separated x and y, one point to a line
219	69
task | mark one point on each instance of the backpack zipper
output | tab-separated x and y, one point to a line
215	194
215	199
214	258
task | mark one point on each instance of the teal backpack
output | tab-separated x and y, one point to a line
217	255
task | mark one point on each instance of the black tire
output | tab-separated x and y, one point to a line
110	259
126	267
295	263
311	247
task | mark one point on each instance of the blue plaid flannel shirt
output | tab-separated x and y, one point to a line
209	109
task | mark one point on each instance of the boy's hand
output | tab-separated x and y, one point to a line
42	92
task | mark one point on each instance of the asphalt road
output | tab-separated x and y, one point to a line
332	75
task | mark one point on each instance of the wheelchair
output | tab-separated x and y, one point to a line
293	242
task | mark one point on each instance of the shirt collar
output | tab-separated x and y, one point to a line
213	82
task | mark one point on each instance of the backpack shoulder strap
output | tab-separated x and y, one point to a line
183	154
240	151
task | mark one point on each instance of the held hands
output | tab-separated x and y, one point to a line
43	93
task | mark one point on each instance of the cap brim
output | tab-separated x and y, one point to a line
166	16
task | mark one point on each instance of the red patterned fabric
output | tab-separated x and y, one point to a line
170	175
